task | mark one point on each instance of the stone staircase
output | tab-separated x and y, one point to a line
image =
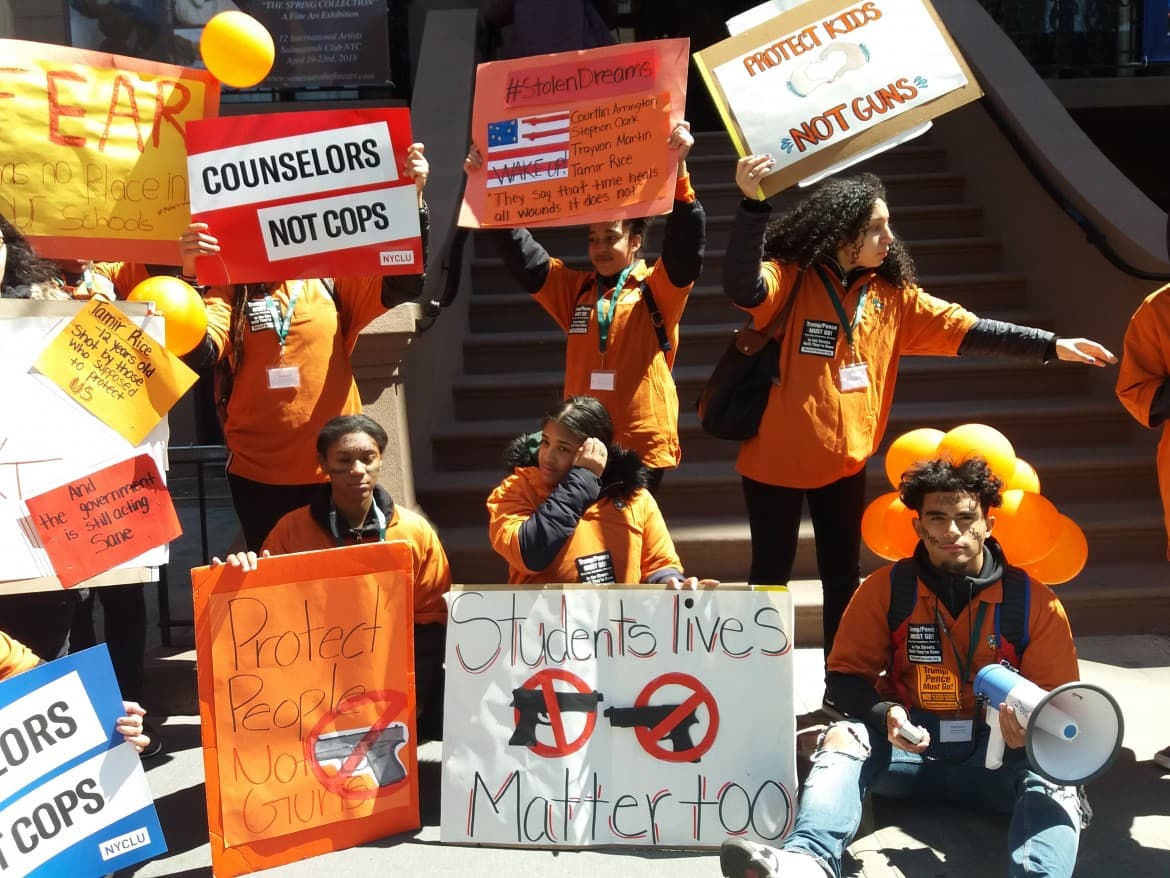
1094	463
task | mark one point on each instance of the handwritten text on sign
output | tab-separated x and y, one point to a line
94	161
116	370
621	716
95	523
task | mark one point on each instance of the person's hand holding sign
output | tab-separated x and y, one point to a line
691	583
417	168
681	139
193	243
244	560
474	160
130	726
749	171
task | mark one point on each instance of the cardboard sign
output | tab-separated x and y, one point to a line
576	137
116	370
306	692
830	80
94	163
295	195
95	523
621	716
55	442
74	800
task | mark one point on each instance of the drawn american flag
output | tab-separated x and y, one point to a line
530	135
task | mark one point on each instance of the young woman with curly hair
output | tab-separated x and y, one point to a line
856	310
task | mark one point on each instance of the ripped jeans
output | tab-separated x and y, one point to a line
1046	819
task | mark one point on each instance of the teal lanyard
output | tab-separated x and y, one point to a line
607	307
281	322
335	524
846	324
965	669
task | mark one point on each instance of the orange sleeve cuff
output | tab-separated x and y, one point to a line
683	190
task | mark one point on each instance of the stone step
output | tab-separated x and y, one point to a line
937	256
544	350
1122	570
523	394
914	223
980	292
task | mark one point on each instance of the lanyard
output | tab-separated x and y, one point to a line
840	307
281	322
976	633
607	307
335	526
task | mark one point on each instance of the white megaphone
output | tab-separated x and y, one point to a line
1073	732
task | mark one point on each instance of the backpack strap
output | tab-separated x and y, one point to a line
1011	616
656	318
903	597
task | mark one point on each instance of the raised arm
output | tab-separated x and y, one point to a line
685	238
742	282
398	288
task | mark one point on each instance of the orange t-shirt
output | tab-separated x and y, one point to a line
644	401
272	433
1145	365
297	531
863	645
15	657
813	433
615	540
125	276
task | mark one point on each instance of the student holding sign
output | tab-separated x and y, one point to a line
622	314
283	350
353	509
576	507
857	312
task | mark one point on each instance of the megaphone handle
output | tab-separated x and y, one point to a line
994	758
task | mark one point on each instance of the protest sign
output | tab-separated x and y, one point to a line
294	195
306	692
95	523
576	137
114	369
48	440
94	164
75	800
621	716
831	79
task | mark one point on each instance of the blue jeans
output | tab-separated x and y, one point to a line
1045	818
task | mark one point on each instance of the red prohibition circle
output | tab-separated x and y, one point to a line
651	738
388	704
543	680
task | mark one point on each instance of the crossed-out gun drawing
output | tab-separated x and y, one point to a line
380	759
530	704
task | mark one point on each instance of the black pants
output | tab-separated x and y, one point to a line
430	649
835	510
259	506
124	616
41	620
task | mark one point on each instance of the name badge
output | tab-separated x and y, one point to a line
579	325
259	317
855	377
954	731
602	379
281	377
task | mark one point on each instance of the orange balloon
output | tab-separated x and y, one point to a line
873	526
1024	478
900	529
237	49
181	307
1067	558
1027	525
979	440
911	448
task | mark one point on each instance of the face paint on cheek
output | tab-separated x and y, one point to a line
933	540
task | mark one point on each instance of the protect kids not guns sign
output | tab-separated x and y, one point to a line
73	796
576	137
314	194
625	716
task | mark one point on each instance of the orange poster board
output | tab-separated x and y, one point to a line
306	696
115	370
576	137
94	164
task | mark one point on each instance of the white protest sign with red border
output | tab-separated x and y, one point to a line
298	195
582	716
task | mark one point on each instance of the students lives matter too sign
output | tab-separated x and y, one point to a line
314	194
576	137
827	81
623	716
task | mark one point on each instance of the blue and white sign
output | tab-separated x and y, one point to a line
73	796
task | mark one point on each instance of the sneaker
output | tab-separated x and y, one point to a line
1162	758
740	858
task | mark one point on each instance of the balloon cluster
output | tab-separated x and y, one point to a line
1033	533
